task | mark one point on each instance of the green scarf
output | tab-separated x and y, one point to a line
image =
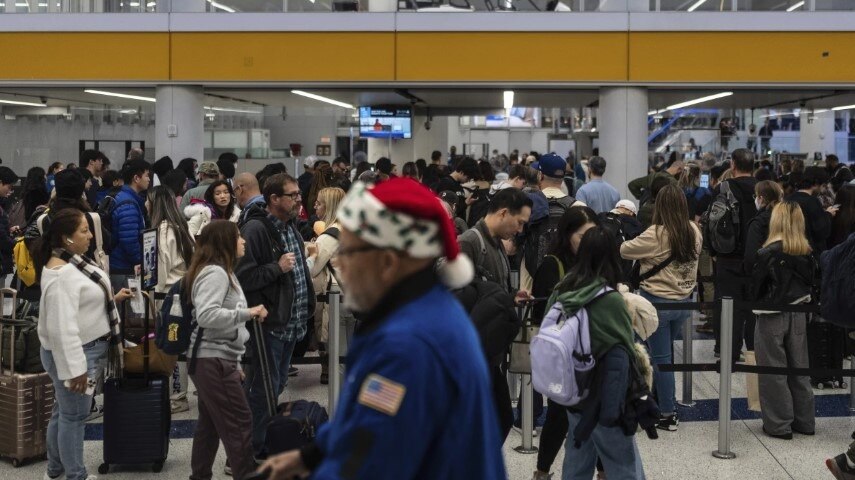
608	318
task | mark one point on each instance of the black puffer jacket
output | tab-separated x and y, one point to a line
782	279
758	232
492	312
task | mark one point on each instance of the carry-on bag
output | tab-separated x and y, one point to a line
137	416
26	405
520	362
25	336
295	425
826	344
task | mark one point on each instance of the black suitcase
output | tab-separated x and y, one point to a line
826	345
137	417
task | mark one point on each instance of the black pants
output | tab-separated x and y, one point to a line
730	282
552	436
502	398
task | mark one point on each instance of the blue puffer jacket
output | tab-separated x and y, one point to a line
128	221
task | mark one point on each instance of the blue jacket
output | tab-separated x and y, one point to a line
419	349
128	220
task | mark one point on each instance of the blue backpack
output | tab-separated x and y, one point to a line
173	332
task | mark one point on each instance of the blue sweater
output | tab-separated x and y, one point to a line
446	426
128	221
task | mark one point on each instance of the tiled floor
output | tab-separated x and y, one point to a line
685	454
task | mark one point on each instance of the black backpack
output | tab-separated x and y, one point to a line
721	222
543	232
478	210
295	426
837	295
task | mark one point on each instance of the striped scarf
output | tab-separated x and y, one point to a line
91	270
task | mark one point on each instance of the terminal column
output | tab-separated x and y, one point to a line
179	123
622	124
816	133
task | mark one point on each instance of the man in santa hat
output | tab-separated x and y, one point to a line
416	373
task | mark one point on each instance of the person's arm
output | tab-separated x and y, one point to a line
640	247
252	271
62	310
545	280
209	291
469	246
326	249
822	223
637	186
753	242
388	444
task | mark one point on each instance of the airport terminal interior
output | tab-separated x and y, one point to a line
636	82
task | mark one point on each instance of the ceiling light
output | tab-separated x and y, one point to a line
509	99
134	4
151	4
322	99
699	100
233	110
845	107
696	5
121	95
25	104
22	4
796	6
652	112
43	5
221	6
129	111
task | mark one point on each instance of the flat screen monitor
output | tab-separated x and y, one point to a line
386	122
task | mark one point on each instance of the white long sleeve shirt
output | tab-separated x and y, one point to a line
72	312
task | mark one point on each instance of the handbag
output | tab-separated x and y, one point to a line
158	361
752	383
520	362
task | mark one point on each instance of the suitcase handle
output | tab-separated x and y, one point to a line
11	346
9	293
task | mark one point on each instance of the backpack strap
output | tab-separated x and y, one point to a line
332	231
191	365
560	266
96	225
656	269
481	241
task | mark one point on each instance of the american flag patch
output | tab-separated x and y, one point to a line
382	394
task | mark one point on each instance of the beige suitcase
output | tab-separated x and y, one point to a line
26	405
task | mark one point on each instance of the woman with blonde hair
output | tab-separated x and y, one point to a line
668	252
784	274
326	207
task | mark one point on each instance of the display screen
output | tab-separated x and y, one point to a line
386	122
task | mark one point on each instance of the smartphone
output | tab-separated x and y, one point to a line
90	386
705	180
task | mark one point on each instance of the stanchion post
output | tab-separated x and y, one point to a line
852	385
688	353
726	349
334	349
513	378
527	414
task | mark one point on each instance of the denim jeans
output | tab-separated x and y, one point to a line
279	353
660	344
618	452
68	421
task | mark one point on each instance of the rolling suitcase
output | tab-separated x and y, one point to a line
26	405
137	417
25	336
826	344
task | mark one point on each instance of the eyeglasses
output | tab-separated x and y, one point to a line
344	252
294	196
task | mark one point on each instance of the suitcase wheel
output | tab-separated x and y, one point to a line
16	462
103	469
157	467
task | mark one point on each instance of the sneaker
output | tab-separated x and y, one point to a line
519	430
538	475
704	328
179	405
47	476
227	469
839	468
668	422
96	413
779	436
293	371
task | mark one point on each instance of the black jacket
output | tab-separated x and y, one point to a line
7	243
258	271
758	232
817	221
492	312
780	278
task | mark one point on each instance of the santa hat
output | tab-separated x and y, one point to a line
404	215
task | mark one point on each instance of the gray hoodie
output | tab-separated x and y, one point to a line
220	308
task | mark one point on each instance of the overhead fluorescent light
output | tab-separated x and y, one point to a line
129	111
121	95
22	4
25	104
699	100
509	99
796	6
696	5
845	107
233	110
322	99
221	6
151	4
652	112
134	4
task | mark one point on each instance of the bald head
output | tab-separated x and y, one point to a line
245	187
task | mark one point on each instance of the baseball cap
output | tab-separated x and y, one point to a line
449	197
309	161
551	165
209	168
627	204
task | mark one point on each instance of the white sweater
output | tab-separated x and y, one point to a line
72	313
170	263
